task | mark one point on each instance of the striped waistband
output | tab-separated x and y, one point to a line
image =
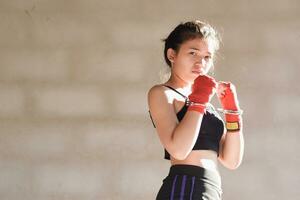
208	176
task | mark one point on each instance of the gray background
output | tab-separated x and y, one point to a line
74	76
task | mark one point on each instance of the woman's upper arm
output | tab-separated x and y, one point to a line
163	114
220	157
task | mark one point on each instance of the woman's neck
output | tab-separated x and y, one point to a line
179	84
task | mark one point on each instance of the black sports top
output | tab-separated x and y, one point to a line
211	129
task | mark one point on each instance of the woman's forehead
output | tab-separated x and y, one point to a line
198	44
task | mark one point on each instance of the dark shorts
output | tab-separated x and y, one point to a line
190	182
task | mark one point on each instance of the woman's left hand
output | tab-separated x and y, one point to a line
226	93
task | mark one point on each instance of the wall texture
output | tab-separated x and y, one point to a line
74	76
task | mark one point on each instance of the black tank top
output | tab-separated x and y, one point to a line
211	130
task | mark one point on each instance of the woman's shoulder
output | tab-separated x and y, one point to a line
160	95
157	90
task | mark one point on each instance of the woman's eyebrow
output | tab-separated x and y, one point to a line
194	48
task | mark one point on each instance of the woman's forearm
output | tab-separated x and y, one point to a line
185	135
232	149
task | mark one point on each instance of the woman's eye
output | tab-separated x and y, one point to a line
207	57
193	53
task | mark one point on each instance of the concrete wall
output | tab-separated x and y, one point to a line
73	82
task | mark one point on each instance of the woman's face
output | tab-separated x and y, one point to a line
193	58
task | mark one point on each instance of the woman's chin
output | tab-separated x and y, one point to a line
195	75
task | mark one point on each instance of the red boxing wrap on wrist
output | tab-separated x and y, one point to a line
203	90
226	93
198	108
232	118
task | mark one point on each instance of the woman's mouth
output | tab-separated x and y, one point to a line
197	72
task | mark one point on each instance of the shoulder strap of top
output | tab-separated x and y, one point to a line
175	91
186	101
151	119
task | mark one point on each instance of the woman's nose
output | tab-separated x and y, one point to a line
201	61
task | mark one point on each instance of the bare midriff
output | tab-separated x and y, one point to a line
204	158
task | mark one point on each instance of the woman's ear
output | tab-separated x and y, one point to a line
171	54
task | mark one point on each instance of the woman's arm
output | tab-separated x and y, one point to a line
231	149
178	138
232	142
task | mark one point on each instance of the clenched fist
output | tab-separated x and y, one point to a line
203	90
227	95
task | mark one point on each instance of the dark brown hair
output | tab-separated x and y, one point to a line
188	31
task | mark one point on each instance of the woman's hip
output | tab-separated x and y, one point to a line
190	182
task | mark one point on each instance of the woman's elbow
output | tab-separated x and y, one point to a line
179	155
231	164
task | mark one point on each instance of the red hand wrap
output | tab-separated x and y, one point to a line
197	107
228	99
203	90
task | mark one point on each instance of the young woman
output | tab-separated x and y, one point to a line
194	136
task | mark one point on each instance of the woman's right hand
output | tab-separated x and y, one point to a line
203	90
